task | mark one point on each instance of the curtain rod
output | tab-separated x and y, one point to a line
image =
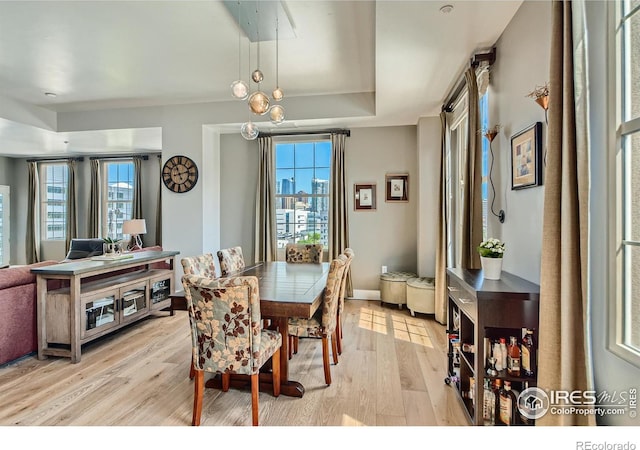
473	63
298	133
72	158
145	157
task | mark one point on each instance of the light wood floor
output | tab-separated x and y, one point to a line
391	373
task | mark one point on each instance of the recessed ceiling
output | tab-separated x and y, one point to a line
122	54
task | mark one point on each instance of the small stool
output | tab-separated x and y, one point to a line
393	287
421	295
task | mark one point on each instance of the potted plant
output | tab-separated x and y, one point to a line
110	246
491	252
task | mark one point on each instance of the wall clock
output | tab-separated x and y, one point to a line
180	174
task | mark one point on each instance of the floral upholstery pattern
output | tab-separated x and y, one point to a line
231	260
323	321
226	331
349	254
202	265
303	253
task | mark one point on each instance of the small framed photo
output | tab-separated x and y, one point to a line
364	197
397	187
526	157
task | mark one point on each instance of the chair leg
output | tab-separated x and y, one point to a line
325	360
226	381
296	340
339	334
334	346
197	397
290	346
192	371
255	390
275	372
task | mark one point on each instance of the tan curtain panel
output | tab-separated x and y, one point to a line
71	230
32	244
159	204
441	296
95	205
472	198
338	214
564	361
265	203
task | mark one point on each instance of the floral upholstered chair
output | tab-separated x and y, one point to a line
349	254
323	323
231	260
202	265
303	253
227	335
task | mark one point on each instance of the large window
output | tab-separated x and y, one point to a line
117	191
484	125
53	201
302	192
626	318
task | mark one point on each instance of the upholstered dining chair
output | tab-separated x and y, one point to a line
227	335
231	260
339	329
303	253
204	266
323	323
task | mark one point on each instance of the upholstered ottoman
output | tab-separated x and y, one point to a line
421	295
393	287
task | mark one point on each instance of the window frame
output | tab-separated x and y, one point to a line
620	127
105	201
280	251
44	202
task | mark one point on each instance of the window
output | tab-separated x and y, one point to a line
626	318
484	125
302	192
118	196
456	157
53	201
5	208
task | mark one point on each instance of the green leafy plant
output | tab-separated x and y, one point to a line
108	240
491	248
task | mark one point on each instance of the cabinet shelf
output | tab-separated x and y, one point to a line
480	312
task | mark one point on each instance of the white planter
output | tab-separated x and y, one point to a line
491	267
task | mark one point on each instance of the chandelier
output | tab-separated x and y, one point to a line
259	102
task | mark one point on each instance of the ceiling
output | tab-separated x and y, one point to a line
97	55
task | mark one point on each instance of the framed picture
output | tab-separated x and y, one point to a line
364	197
397	187
526	157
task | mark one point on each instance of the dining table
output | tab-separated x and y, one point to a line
286	290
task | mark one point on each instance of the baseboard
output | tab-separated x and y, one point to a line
364	294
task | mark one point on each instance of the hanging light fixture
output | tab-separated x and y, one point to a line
277	92
239	89
249	130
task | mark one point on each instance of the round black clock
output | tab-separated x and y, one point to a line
180	174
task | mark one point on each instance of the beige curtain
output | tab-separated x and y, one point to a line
472	197
32	244
441	296
95	205
338	214
564	359
72	204
159	204
265	203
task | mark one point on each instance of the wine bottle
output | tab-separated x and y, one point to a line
528	356
513	359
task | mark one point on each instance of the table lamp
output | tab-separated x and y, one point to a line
134	228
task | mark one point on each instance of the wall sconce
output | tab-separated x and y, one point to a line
541	96
490	134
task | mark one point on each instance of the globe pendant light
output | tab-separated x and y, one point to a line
249	131
239	89
277	93
277	114
259	103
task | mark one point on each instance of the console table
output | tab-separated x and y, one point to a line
101	297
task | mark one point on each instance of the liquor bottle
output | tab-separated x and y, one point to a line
496	388
489	404
524	420
513	360
503	348
508	404
528	355
497	354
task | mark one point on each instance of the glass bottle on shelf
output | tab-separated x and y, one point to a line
528	356
513	360
497	354
496	388
503	348
489	404
506	404
524	420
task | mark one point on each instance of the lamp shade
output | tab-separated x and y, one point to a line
134	226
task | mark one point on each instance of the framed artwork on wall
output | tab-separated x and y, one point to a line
364	197
526	157
397	187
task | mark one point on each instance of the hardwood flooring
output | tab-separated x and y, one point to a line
390	373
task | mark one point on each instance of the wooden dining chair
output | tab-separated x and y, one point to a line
204	266
323	323
231	260
227	335
303	253
339	320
